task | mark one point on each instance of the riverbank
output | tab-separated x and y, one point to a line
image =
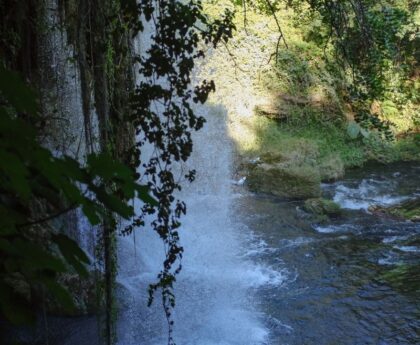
296	102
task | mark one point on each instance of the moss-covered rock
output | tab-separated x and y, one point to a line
332	168
403	277
271	157
322	207
297	182
408	210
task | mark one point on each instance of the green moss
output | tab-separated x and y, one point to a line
331	168
408	148
285	181
404	277
408	210
322	207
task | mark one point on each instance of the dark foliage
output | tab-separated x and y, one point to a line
37	185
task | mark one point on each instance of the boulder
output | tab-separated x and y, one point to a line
279	179
332	168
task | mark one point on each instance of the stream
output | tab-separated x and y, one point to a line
338	286
258	272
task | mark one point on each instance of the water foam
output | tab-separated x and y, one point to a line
408	249
369	192
331	229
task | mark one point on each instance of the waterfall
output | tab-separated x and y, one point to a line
213	301
62	99
214	291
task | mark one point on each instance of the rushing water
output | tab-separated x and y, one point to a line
215	301
345	283
256	271
214	291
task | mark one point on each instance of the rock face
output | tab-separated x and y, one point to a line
408	210
83	292
297	182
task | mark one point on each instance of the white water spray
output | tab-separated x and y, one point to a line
214	301
213	290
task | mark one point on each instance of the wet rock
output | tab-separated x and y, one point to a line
322	207
19	285
404	277
408	210
84	293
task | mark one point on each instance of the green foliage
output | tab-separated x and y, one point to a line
346	84
36	187
376	40
354	130
161	114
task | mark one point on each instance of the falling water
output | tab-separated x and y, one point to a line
214	289
62	98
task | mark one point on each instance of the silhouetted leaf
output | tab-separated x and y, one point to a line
36	257
73	254
19	95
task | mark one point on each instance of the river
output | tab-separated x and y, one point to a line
257	271
338	288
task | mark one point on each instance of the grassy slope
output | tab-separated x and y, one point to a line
305	90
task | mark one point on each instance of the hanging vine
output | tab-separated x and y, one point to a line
163	115
158	111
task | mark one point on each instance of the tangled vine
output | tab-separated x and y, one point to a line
162	113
